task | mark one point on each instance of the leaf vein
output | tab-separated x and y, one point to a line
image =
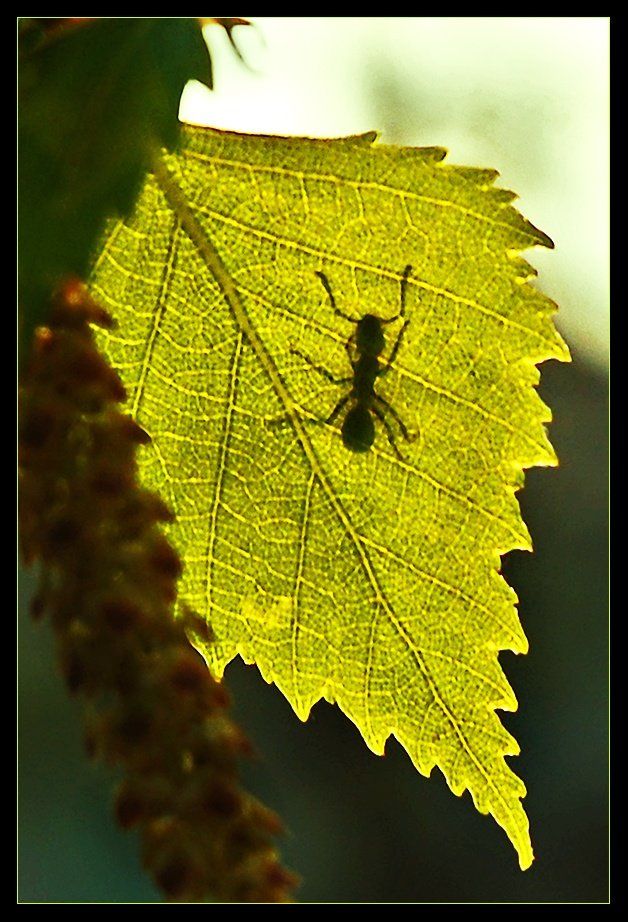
298	582
158	313
221	468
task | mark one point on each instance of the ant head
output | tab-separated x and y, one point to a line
369	337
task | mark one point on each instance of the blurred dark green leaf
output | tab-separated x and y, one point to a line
95	98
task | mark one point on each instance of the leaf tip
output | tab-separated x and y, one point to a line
540	237
526	856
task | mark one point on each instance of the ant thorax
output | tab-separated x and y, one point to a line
365	371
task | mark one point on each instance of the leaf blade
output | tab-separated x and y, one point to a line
333	597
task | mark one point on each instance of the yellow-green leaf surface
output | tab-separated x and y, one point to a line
372	579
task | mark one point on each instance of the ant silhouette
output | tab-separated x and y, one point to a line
358	428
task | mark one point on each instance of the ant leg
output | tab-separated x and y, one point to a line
348	351
321	368
281	420
334	413
402	290
389	432
396	417
395	349
402	295
330	295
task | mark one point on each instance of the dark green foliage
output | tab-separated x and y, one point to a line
95	99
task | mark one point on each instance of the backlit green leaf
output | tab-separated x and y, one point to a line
369	579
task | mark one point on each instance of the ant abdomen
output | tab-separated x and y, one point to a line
358	430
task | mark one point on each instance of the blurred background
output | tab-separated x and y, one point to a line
529	97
